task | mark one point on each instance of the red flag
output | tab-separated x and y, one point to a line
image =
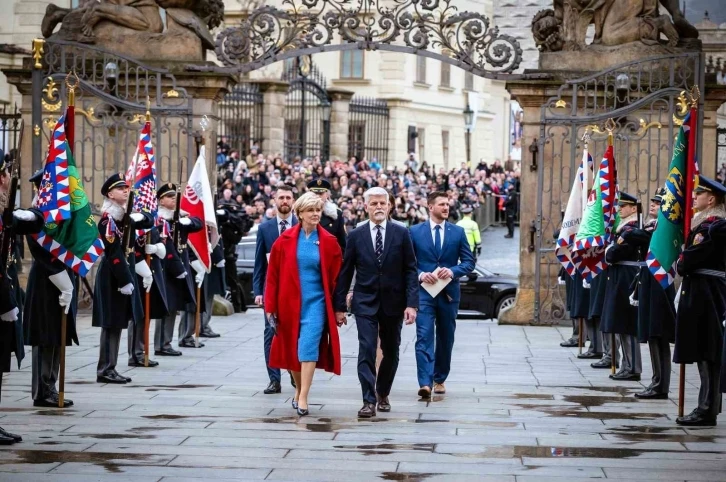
691	172
197	200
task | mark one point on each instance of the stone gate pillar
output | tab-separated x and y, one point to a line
339	121
274	93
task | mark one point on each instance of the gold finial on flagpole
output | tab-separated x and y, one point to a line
148	109
610	126
72	83
695	95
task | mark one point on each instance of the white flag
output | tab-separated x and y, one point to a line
573	214
198	202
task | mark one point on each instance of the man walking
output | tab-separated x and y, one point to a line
510	210
381	255
267	234
442	253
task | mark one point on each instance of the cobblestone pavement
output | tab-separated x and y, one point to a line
518	407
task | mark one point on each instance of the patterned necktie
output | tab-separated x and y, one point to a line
379	243
437	240
283	226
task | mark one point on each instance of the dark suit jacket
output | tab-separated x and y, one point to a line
455	255
392	286
267	233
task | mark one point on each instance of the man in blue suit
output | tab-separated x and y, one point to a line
443	252
381	255
267	234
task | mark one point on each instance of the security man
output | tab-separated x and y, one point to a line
332	218
619	316
699	329
471	228
116	296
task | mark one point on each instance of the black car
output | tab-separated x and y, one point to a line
486	293
483	293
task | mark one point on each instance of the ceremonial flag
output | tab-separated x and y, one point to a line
573	216
143	181
598	220
70	233
676	207
197	200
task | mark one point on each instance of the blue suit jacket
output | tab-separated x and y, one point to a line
391	286
455	255
267	233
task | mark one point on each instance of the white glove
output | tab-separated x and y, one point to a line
127	290
221	212
561	281
182	276
585	285
185	221
24	215
160	250
220	264
199	268
633	301
137	217
63	282
10	316
143	270
150	249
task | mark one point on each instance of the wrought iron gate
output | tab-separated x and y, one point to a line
10	121
368	129
643	99
110	105
307	112
720	148
240	114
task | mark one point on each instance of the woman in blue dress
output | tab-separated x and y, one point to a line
303	269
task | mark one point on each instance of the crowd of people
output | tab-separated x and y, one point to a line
249	183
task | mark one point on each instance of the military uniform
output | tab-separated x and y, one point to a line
179	277
619	316
216	285
593	322
188	318
656	315
112	309
332	217
702	305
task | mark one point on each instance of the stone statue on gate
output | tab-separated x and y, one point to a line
135	27
616	22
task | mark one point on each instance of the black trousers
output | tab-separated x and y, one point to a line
660	359
235	287
510	224
709	395
45	370
370	328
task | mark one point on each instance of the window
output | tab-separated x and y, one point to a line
421	144
356	139
351	64
421	69
468	81
445	147
445	75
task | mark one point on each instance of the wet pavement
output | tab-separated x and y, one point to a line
518	408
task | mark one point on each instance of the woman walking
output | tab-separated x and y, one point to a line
301	277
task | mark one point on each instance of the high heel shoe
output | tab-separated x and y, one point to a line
302	411
294	404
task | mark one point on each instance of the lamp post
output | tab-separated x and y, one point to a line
469	124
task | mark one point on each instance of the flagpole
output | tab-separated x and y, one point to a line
613	350
147	296
197	321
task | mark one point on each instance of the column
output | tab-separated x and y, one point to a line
274	93
339	119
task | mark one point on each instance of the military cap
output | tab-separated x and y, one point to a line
709	185
466	209
319	185
116	180
166	189
627	199
658	196
37	177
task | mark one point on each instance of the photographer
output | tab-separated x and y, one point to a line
234	224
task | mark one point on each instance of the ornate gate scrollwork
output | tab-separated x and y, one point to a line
465	39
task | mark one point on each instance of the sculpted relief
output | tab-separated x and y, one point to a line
616	22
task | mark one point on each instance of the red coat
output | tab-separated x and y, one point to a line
283	298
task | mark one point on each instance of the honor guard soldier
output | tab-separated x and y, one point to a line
656	311
216	284
11	328
157	301
593	321
117	297
563	278
177	271
699	329
332	218
50	283
187	320
619	316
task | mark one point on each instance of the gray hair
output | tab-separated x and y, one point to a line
375	191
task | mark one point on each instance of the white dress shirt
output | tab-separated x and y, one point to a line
287	226
374	232
432	227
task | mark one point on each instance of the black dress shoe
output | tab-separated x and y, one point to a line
572	342
589	354
13	436
6	440
383	404
650	394
128	380
111	378
696	419
209	334
190	344
51	403
168	352
66	401
140	364
273	387
292	380
623	375
302	411
368	410
602	364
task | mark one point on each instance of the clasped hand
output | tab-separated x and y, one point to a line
440	273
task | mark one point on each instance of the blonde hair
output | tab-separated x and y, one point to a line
307	201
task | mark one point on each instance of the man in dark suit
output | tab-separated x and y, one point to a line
385	293
332	218
267	234
443	252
